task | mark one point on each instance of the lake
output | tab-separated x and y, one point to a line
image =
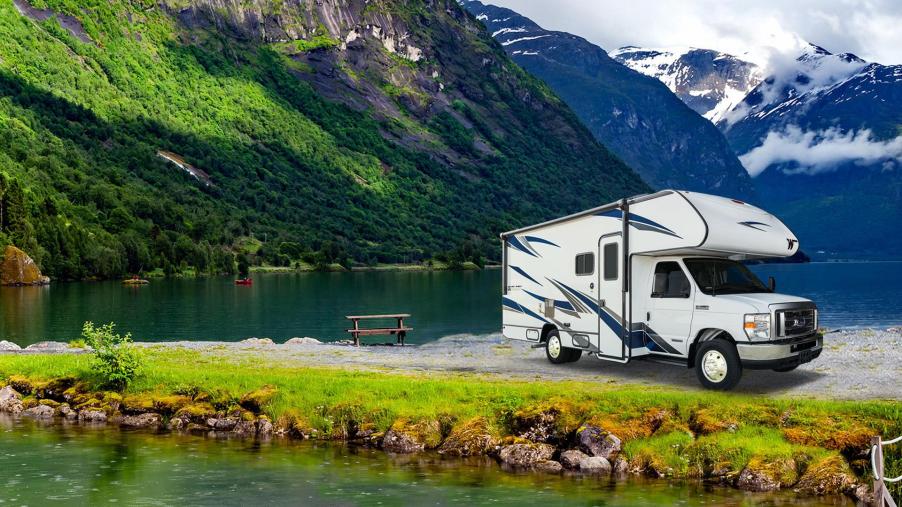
75	465
281	306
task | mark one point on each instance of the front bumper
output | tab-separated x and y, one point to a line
773	355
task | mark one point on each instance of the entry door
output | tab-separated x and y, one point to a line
610	296
672	308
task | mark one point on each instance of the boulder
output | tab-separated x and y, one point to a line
89	415
829	476
471	438
264	426
401	443
538	425
39	412
303	341
65	411
245	429
621	467
597	442
525	455
550	467
146	420
405	437
258	341
6	346
48	347
10	400
570	459
17	268
768	474
222	423
595	465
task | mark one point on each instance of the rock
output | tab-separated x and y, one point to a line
178	422
89	415
10	400
258	341
303	341
763	474
264	426
39	412
525	455
550	467
829	476
48	347
570	459
17	268
597	442
538	425
256	400
863	493
245	429
621	467
66	412
222	423
471	438
146	420
595	465
6	346
405	437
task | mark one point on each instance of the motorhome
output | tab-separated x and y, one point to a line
660	277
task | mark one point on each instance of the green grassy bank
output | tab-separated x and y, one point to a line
665	432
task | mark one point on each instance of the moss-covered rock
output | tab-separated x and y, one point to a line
10	401
762	474
596	442
407	436
525	455
144	421
705	421
828	476
295	425
471	438
17	268
256	400
549	422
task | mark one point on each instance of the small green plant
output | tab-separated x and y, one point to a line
78	344
116	360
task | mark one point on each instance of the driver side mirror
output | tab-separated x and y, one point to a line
771	283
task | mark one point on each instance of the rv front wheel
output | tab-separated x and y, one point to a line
717	365
556	351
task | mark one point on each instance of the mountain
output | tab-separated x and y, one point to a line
712	83
635	116
822	136
139	135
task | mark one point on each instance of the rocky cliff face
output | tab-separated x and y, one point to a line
17	268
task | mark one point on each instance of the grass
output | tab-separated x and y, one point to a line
677	433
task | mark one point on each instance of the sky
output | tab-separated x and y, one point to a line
868	28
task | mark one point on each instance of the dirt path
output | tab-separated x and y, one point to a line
861	364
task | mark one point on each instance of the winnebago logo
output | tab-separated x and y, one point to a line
791	243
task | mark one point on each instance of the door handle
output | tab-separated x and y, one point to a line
601	302
647	316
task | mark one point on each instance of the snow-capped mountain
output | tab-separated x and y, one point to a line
710	82
634	115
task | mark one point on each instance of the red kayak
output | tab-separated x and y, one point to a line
244	281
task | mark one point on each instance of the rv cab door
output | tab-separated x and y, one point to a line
610	297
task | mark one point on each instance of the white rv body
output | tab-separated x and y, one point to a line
591	277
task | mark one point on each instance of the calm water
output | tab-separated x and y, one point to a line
281	306
90	466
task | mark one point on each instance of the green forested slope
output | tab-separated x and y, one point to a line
382	131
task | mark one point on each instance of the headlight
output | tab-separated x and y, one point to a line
757	326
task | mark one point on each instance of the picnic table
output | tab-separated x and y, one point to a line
400	330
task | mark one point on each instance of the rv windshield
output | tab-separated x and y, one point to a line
723	276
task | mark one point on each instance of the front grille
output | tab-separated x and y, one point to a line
796	322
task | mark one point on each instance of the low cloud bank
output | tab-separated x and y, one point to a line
821	151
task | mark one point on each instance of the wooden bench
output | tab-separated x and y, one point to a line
399	330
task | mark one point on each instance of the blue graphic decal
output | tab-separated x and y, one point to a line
754	225
515	242
563	305
536	239
525	274
510	303
639	222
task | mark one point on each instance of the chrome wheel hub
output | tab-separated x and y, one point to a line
554	347
714	366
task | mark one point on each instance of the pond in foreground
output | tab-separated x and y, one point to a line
77	465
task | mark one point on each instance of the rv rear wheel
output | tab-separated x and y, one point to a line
717	365
556	351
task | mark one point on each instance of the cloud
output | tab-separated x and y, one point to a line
867	28
816	152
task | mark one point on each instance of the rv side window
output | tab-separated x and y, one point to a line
670	281
585	264
610	261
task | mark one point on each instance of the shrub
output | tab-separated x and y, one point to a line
116	360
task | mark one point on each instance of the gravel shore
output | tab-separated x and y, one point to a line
855	364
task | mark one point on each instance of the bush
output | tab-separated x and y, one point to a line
116	360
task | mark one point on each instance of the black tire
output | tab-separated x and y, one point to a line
556	352
723	368
785	369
